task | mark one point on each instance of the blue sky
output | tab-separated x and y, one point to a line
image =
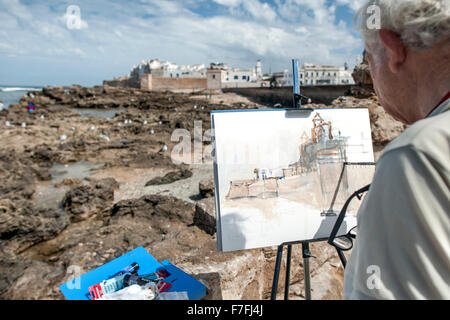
37	47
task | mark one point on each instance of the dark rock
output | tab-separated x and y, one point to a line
84	201
205	215
206	188
158	206
170	177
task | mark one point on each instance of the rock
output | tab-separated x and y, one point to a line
69	182
205	215
384	127
361	75
43	153
206	188
84	201
170	177
155	207
105	183
28	226
42	174
12	267
38	281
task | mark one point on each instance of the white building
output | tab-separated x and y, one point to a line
311	74
234	77
166	69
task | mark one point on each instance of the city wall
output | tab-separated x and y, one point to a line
162	84
284	95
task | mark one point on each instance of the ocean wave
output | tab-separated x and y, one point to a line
11	89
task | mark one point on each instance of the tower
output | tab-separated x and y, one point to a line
259	73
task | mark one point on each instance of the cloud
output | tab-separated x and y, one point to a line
114	36
352	4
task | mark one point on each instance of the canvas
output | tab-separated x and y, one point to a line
280	174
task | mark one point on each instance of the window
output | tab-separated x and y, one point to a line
244	77
236	77
301	75
214	76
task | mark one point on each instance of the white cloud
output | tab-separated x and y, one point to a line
120	34
228	3
352	4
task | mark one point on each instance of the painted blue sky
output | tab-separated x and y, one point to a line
37	47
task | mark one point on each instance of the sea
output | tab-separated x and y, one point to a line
12	94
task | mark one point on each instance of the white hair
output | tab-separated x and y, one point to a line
421	24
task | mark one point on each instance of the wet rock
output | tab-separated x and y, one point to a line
205	215
206	188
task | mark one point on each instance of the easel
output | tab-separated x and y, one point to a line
306	254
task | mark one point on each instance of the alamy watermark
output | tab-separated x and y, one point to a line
76	272
374	280
373	21
73	17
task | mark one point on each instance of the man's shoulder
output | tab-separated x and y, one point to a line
430	136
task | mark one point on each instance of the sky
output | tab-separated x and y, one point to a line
39	45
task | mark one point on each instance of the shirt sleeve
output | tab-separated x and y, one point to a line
403	245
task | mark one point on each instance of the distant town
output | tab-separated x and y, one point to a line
156	74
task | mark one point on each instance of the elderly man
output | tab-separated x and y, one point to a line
403	246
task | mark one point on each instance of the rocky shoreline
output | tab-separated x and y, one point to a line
121	190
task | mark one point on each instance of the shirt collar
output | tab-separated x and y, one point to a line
444	106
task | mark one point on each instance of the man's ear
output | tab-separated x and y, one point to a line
395	47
